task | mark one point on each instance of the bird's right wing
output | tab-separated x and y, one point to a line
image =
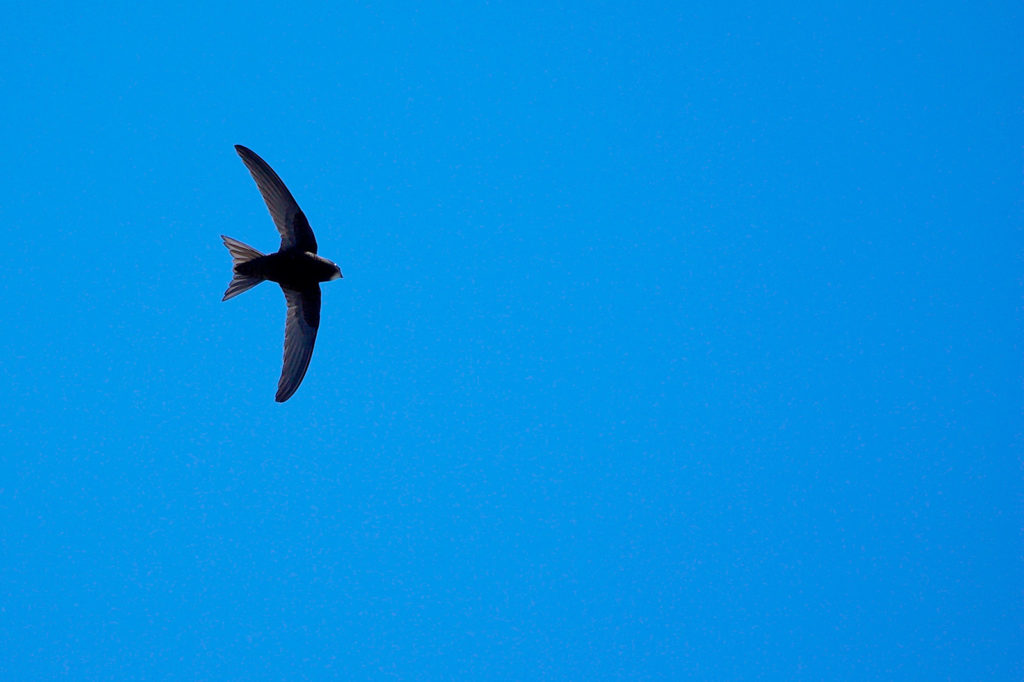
290	220
299	337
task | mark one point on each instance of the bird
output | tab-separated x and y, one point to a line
296	267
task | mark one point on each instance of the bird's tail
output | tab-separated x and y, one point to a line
240	253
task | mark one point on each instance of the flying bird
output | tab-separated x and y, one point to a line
295	266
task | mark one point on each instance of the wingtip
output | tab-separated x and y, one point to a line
284	393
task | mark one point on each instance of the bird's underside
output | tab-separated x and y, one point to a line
295	267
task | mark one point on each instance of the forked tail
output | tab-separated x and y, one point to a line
240	253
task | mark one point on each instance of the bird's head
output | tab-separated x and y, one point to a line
326	270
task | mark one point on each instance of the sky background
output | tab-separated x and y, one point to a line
675	341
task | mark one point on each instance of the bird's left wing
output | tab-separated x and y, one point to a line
299	337
290	220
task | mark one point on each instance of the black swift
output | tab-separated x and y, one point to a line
295	266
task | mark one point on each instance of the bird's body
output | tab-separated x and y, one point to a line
296	267
291	269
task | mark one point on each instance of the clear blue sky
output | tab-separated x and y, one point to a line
674	342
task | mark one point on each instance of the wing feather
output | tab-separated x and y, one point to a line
290	220
299	336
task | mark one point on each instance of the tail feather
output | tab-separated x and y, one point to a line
240	253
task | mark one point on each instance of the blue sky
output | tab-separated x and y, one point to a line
674	342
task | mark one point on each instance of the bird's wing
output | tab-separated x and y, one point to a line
299	337
290	220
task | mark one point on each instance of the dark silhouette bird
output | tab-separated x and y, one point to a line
295	266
